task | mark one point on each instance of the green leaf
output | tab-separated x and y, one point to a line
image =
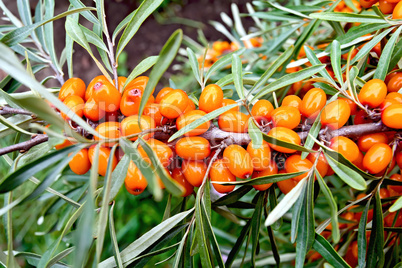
313	133
222	62
272	69
255	134
375	252
192	58
114	238
16	36
202	120
362	237
122	25
315	61
286	203
347	17
397	205
386	53
49	34
23	173
265	179
349	176
87	14
285	144
359	31
332	206
170	184
118	176
142	12
396	56
336	60
166	56
288	80
237	75
141	67
138	246
255	226
322	246
93	38
296	216
233	196
237	246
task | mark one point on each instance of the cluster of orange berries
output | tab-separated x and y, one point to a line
393	7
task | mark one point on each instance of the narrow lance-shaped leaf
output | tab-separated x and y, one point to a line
296	216
336	60
192	59
255	134
347	17
272	140
141	67
322	246
237	75
264	180
375	252
222	62
362	237
166	56
315	61
255	226
113	236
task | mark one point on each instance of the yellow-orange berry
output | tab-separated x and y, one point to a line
284	134
109	130
130	126
238	160
80	163
76	105
260	157
211	98
193	148
103	159
72	87
135	182
233	121
162	151
174	103
272	169
194	171
188	118
220	173
178	176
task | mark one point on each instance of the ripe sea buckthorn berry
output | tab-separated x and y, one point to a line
395	83
194	171
384	193
193	148
130	102
72	87
394	96
121	80
80	163
361	117
292	100
335	114
286	116
104	154
220	173
391	116
179	177
211	98
386	7
62	145
153	110
398	158
130	126
188	118
162	151
389	220
174	103
140	83
312	103
272	169
76	105
397	13
367	4
104	93
135	182
284	134
262	108
233	122
227	102
190	106
386	103
260	157
377	158
92	110
396	188
286	185
359	161
322	164
373	93
162	93
238	160
294	163
109	130
365	142
345	147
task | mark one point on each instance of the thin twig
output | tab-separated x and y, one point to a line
8	110
111	53
26	145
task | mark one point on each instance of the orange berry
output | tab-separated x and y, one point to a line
62	145
131	100
194	171
286	116
391	116
272	169
386	7
162	93
72	87
292	100
367	4
219	172
188	118
109	130
76	105
92	110
174	103
387	102
121	80
395	83
399	159
312	103
262	108
130	126
227	102
394	96
373	93
286	185
103	159
367	141
135	182
345	147
138	83
284	134
80	163
322	164
162	151
389	220
260	157
294	163
359	161
377	158
211	98
335	114
384	193
153	110
396	188
193	148
190	106
233	121
238	160
397	13
104	93
178	176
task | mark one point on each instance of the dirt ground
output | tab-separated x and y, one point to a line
151	36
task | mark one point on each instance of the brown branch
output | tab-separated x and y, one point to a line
8	110
26	145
